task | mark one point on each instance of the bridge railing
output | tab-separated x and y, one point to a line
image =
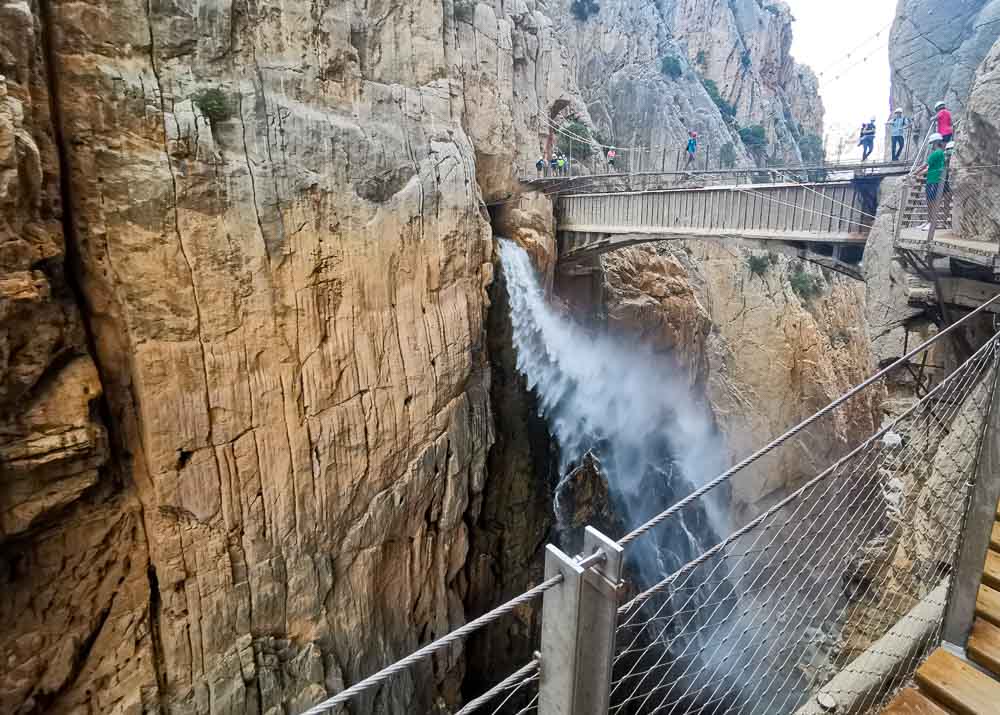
823	209
720	176
963	210
822	602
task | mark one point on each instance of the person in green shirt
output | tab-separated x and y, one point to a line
934	171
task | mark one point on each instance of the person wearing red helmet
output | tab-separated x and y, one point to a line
944	126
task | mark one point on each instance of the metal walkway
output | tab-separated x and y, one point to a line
829	221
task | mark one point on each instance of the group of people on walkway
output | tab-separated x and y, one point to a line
899	124
558	165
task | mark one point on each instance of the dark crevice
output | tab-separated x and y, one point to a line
155	605
73	265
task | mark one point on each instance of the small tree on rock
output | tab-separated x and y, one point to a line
583	10
671	67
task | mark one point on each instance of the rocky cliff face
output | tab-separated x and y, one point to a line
641	67
244	373
276	227
767	352
744	48
935	51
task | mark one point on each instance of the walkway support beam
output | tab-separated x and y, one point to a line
978	526
578	629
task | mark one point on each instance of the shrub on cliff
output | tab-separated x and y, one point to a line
213	104
758	265
811	147
578	146
583	10
753	136
727	155
728	110
671	67
805	285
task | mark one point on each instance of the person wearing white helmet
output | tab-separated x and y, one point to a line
897	126
934	171
867	139
944	126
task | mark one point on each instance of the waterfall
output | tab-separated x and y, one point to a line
656	442
620	400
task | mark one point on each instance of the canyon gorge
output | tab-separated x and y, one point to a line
264	425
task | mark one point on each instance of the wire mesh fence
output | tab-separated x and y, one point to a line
515	695
850	567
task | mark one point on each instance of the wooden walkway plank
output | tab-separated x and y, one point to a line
911	702
958	685
988	605
991	572
995	536
984	646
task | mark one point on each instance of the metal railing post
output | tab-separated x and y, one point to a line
974	540
578	630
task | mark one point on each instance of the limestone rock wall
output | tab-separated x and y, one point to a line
744	47
282	252
768	356
934	52
245	388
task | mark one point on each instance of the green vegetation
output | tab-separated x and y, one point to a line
671	67
805	285
753	136
773	9
758	265
583	10
728	110
727	155
701	58
811	147
746	60
576	148
213	104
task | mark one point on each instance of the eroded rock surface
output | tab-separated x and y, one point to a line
253	476
935	52
744	47
772	356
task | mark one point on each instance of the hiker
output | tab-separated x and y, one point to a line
692	147
554	165
540	166
933	170
612	155
944	127
867	139
561	163
898	125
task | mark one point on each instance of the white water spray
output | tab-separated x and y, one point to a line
617	398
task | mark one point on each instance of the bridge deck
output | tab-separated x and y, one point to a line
827	213
947	243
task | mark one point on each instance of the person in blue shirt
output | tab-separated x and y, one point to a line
897	126
692	147
540	166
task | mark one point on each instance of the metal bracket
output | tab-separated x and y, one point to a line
578	629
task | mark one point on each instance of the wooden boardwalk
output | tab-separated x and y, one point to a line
946	683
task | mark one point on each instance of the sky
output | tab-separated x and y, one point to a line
836	38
